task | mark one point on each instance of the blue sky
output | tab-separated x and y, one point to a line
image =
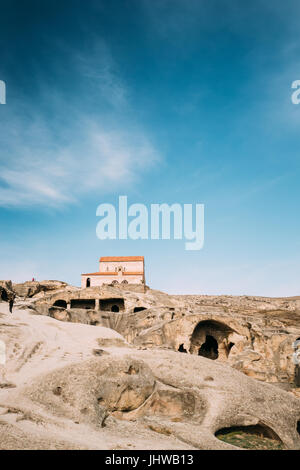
162	101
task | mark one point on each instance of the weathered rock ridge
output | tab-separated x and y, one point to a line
108	368
252	334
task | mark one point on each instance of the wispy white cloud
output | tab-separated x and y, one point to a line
82	149
40	172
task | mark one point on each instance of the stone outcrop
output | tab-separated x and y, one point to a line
189	398
252	334
77	386
32	288
137	369
6	291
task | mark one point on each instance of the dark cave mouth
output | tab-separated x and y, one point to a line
209	348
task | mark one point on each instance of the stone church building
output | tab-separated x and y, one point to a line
116	270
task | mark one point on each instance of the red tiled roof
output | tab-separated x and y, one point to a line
122	258
112	273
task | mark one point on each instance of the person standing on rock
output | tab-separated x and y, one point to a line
11	304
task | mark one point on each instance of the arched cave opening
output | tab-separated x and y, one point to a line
112	304
210	348
88	304
211	339
258	436
297	375
4	295
182	349
60	303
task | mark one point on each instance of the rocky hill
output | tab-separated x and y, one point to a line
108	368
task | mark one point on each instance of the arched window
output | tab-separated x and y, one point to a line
88	282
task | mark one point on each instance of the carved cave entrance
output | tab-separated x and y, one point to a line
210	348
138	309
4	295
112	305
210	339
60	303
88	304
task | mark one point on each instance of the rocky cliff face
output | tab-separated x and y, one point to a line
6	291
254	335
30	289
78	386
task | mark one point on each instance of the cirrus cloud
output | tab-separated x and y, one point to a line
64	146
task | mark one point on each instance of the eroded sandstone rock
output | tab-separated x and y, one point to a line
252	334
81	386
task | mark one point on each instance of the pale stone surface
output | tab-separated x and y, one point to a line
32	288
253	334
67	397
83	378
